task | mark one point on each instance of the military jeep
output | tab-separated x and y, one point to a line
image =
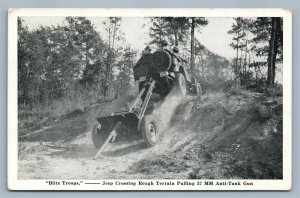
169	70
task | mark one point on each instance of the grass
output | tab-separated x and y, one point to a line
159	164
74	102
248	143
33	117
275	90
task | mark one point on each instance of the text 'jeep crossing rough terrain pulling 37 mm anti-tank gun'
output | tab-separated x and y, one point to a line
159	73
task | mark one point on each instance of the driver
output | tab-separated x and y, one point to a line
147	50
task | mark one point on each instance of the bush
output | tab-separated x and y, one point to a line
271	90
274	90
246	78
35	116
74	101
216	85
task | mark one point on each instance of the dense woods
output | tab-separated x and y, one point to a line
258	44
72	61
71	66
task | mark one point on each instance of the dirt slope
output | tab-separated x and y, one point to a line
221	135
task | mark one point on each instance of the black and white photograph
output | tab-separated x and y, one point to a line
149	99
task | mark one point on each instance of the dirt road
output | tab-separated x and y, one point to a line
221	135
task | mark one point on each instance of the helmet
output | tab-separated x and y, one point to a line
164	43
148	48
175	49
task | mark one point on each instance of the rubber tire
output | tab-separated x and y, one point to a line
99	136
147	121
162	61
181	85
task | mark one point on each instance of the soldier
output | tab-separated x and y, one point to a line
164	44
147	50
175	49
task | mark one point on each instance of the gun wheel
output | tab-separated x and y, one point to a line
99	135
150	130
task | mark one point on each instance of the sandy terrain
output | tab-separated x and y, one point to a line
218	135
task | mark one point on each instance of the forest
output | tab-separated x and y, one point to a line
62	68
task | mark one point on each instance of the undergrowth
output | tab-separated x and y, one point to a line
240	137
33	117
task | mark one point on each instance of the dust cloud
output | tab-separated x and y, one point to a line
165	109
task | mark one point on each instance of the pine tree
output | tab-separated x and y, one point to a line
112	27
237	29
23	60
196	23
268	42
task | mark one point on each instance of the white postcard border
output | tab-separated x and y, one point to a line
12	115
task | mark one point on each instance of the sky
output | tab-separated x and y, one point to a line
214	36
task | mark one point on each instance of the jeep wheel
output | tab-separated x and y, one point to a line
150	130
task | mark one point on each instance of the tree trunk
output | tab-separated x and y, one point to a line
193	44
236	64
109	39
272	52
249	61
104	88
278	41
176	39
279	30
245	60
86	54
114	35
202	65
